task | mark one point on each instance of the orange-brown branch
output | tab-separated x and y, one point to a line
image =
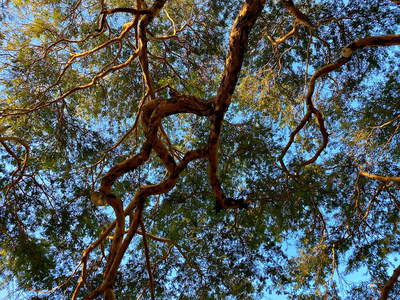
296	13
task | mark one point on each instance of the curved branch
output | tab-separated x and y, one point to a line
282	39
153	112
42	105
112	272
374	41
19	168
138	202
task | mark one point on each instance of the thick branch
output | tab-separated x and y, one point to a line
153	112
128	10
138	202
389	285
380	178
112	272
237	48
371	41
141	193
159	148
297	14
116	204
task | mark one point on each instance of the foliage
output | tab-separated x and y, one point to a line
245	149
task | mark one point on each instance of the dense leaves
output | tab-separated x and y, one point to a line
245	149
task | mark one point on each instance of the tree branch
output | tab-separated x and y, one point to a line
233	63
130	10
297	14
389	285
374	41
147	255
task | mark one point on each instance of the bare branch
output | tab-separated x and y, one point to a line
148	263
233	64
130	10
20	167
389	284
297	14
377	41
380	178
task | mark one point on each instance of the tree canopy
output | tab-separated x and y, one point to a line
189	149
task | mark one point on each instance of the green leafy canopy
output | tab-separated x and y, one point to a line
189	149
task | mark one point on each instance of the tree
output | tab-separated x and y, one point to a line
177	149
